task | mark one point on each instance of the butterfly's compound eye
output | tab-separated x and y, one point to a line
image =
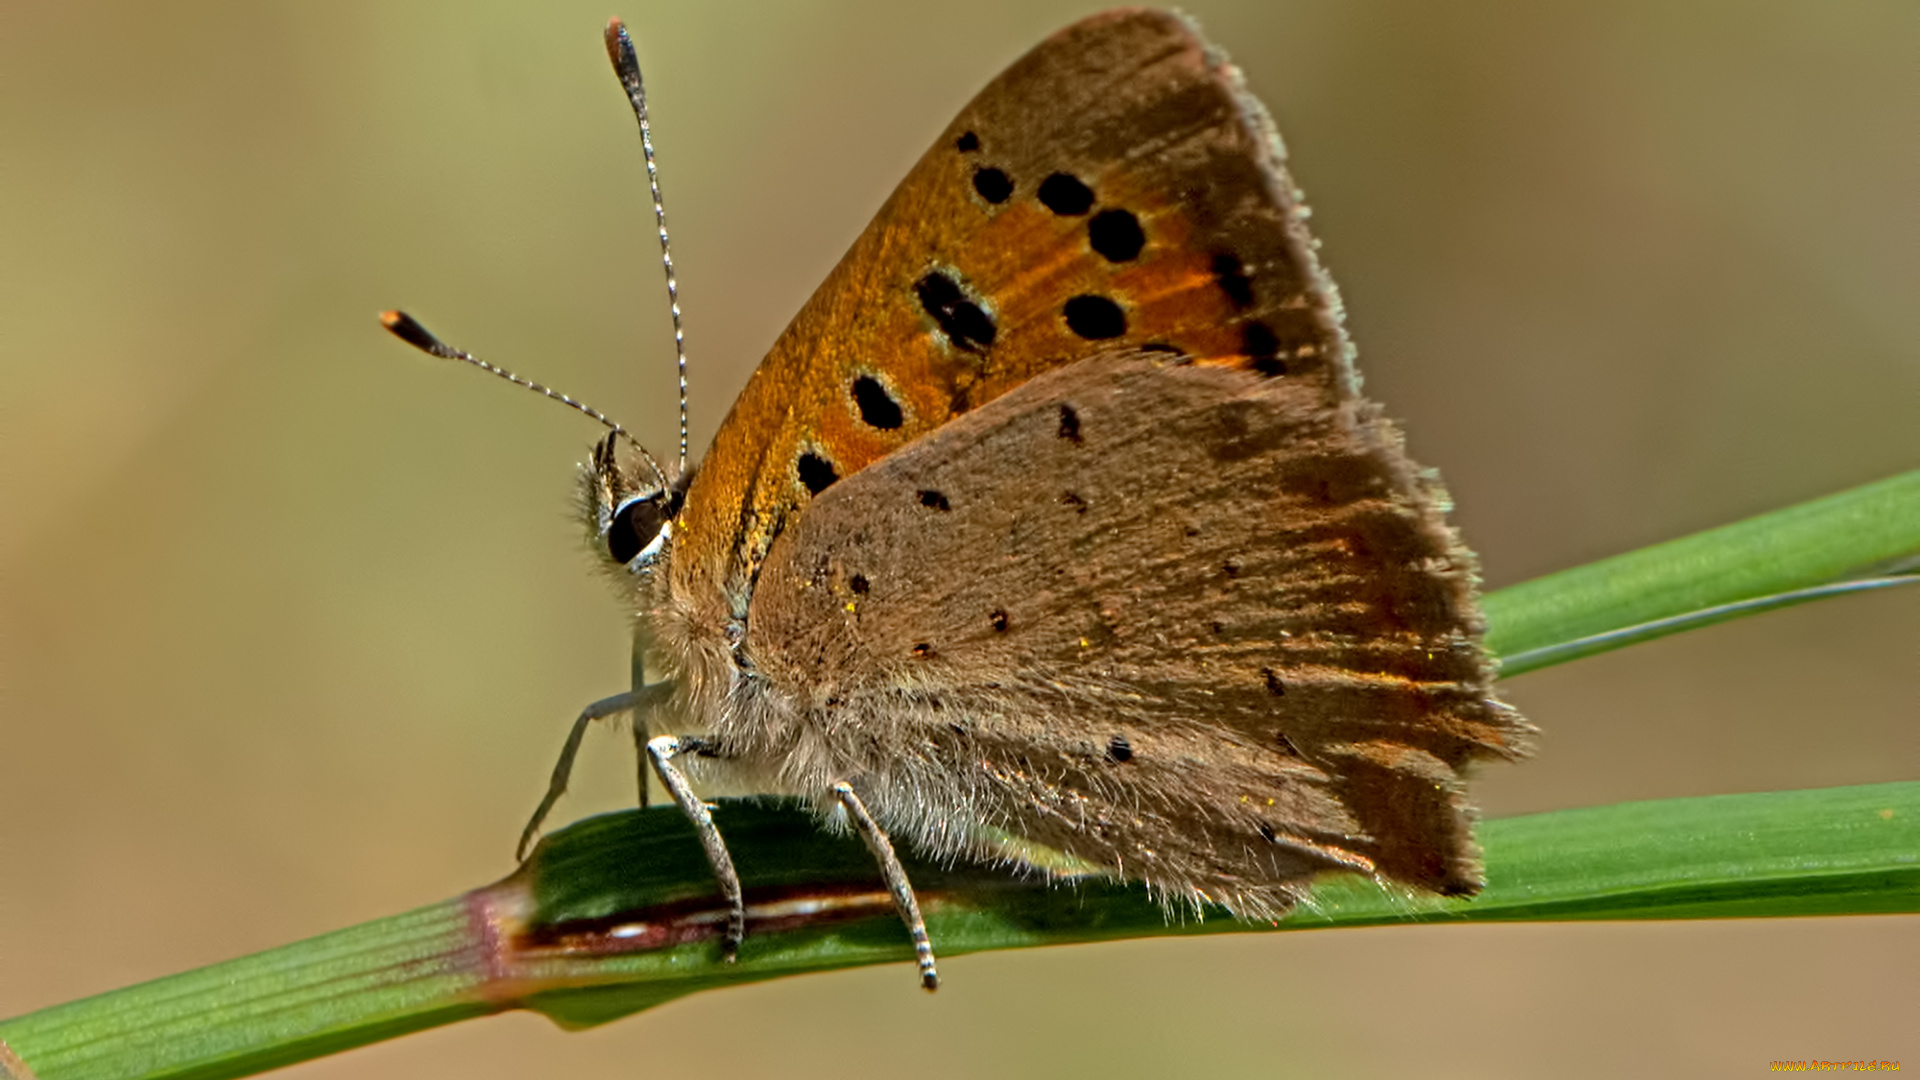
636	524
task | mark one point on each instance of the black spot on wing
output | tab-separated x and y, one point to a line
962	320
1274	685
877	407
1070	424
1065	195
992	184
1232	278
1116	234
1262	346
816	472
1095	318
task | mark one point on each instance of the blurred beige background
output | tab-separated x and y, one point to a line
294	619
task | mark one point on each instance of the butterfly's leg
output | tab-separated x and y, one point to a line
630	701
896	877
662	751
641	762
641	731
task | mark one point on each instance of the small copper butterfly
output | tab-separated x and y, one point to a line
1056	523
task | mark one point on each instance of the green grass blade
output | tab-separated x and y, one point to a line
1837	851
1768	561
1563	651
583	938
369	982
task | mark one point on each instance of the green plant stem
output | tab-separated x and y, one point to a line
1788	556
578	936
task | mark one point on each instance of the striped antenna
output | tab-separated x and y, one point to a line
408	329
627	66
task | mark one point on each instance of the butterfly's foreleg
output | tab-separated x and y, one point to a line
630	701
896	878
642	766
662	751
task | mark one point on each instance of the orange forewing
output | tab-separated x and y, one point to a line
1133	107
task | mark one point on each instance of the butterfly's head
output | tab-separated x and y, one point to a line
628	503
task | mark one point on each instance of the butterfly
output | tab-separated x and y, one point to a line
1055	529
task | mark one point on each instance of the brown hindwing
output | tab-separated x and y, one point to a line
1189	620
